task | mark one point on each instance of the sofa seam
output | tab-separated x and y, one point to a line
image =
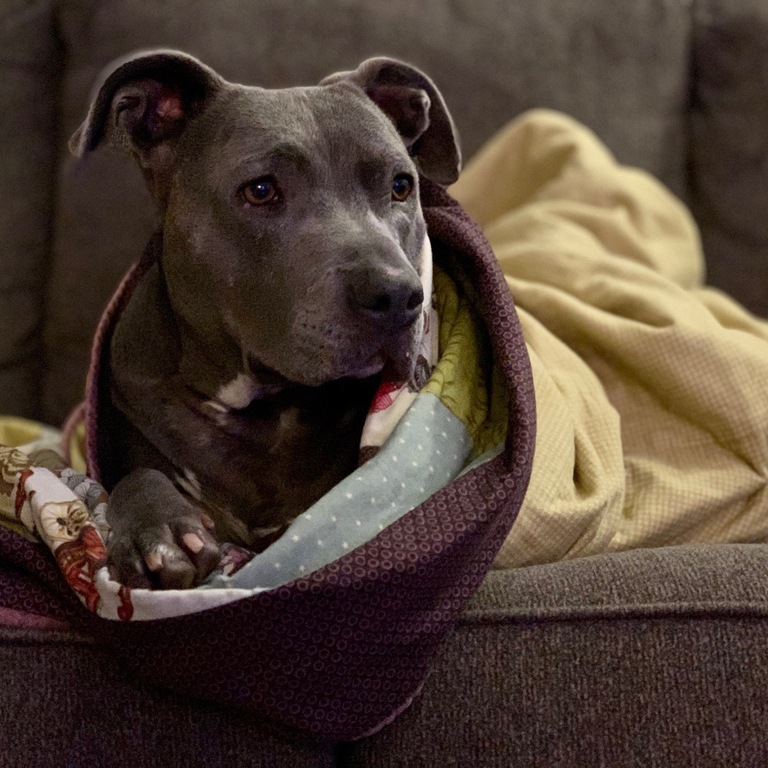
637	611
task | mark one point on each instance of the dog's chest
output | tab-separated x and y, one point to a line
283	454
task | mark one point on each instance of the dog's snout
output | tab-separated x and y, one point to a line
391	301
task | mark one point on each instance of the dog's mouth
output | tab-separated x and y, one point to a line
373	366
316	359
393	365
395	369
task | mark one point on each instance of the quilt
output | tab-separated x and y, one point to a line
651	420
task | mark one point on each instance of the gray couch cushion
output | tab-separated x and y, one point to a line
649	658
67	703
729	150
654	658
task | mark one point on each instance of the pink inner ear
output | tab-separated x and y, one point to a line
408	108
169	105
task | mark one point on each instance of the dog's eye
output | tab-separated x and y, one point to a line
402	186
261	191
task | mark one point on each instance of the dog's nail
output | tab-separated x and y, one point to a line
207	521
192	542
154	561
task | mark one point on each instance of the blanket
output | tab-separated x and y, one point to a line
334	652
413	443
652	419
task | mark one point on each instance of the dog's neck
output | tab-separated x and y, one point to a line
217	369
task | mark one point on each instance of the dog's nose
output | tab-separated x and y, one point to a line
393	302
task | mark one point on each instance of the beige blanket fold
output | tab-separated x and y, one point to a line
652	389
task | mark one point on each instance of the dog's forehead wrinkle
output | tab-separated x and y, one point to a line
354	129
249	121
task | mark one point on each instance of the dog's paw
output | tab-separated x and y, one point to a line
158	538
176	554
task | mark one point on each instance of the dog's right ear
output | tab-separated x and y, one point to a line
414	105
144	105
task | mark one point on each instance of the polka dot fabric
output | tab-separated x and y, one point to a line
337	654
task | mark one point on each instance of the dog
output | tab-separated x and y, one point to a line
286	288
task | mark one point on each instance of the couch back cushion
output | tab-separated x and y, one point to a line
623	69
729	145
28	66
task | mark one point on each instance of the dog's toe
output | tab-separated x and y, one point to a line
200	547
171	567
126	565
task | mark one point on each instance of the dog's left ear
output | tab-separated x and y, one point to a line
413	103
144	105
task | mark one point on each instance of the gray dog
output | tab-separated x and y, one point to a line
287	285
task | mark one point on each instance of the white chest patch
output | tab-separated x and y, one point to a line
238	393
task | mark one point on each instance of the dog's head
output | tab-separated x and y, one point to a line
291	218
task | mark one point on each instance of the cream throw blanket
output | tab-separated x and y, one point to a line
652	390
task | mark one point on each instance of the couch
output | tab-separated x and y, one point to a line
646	658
